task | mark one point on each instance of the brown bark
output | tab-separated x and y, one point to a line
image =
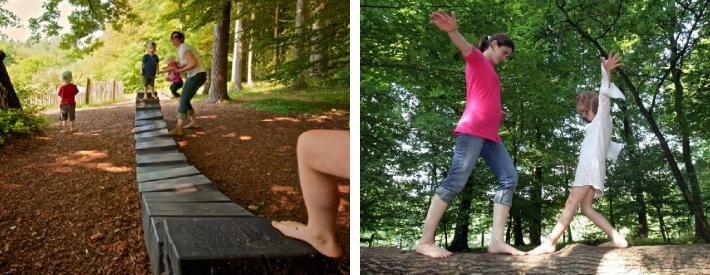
8	97
572	259
220	49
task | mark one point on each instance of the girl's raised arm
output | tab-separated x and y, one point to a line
447	23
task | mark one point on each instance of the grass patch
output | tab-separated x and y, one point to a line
279	99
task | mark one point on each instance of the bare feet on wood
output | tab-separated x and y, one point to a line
544	248
504	248
616	242
326	245
431	250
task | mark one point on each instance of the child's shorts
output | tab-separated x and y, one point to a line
67	112
148	81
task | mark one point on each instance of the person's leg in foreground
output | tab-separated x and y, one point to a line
322	155
466	152
500	163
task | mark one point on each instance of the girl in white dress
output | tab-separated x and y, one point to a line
591	170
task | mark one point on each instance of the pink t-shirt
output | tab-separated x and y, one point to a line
482	115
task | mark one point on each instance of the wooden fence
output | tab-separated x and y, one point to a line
94	92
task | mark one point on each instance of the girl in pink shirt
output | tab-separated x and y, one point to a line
476	136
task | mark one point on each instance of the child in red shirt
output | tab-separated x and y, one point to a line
67	91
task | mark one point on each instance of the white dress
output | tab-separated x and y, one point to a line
597	145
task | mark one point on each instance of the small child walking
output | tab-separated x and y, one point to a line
149	68
591	169
173	76
67	91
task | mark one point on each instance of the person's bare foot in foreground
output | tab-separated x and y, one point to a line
616	242
544	248
504	248
431	250
326	245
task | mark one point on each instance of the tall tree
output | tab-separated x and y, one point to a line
220	49
237	52
299	53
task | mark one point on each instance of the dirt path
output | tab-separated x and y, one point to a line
251	156
58	191
70	204
573	259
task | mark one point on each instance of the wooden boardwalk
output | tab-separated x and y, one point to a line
192	228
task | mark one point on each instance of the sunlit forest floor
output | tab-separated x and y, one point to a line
69	202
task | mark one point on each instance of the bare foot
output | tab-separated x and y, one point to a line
297	230
174	132
191	125
431	250
544	248
619	242
504	248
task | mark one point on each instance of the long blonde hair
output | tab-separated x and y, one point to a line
587	101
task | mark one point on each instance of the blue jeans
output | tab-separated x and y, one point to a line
466	153
188	91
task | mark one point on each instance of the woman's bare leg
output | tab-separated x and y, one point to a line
322	155
575	197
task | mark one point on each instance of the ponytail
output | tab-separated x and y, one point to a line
502	38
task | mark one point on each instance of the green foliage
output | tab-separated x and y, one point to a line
87	18
19	122
7	18
413	90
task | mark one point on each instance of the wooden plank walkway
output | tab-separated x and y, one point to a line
192	228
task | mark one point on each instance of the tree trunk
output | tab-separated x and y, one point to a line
639	201
610	198
299	54
277	12
237	54
693	202
8	97
460	241
220	49
250	56
518	228
317	57
682	124
572	259
536	198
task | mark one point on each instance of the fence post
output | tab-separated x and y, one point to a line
88	82
113	90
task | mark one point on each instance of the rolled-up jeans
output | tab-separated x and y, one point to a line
188	91
466	153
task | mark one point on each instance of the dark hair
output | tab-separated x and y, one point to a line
502	38
179	35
